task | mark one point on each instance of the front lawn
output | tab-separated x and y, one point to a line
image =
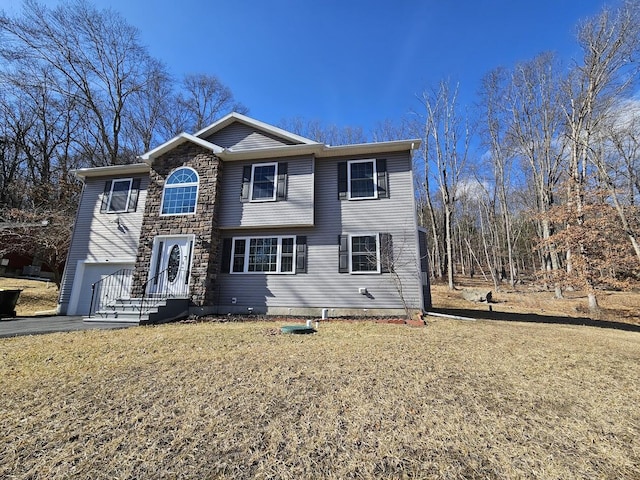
356	400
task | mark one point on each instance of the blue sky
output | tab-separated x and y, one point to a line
350	62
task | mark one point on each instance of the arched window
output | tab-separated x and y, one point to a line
180	192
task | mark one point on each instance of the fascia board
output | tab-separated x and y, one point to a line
370	148
272	152
111	170
321	151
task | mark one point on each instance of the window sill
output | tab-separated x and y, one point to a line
262	273
176	214
363	198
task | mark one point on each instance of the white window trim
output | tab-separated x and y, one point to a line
375	179
275	182
378	267
245	267
126	204
177	185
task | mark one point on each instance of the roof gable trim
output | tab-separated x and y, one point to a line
177	141
265	127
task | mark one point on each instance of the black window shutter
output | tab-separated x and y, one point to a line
383	178
386	252
281	192
105	196
301	254
343	186
133	197
343	264
225	262
246	183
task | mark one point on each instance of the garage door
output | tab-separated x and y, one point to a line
93	272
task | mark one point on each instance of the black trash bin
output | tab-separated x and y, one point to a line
8	300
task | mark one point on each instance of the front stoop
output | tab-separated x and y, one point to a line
128	311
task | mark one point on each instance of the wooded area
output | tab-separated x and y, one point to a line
553	190
80	90
536	182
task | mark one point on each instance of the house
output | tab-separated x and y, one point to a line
245	217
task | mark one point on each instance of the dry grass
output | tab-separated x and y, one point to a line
531	299
36	295
357	400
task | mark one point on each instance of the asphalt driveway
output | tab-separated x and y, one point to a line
15	327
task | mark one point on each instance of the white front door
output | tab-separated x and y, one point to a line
171	266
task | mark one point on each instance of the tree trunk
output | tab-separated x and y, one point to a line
449	240
593	301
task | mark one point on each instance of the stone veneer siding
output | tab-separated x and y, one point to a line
203	224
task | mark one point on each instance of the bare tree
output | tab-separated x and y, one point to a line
446	140
615	156
44	126
533	101
202	100
79	89
95	57
44	234
12	160
609	42
151	113
329	134
495	127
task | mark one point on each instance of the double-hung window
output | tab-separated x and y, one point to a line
364	179
365	253
263	255
120	195
264	182
180	192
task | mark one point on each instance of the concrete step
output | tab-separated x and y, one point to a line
117	318
128	311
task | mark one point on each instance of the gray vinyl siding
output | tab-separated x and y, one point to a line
96	235
239	136
322	286
296	210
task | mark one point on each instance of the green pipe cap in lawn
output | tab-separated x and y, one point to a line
299	329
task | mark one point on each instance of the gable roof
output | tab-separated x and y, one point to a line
258	125
179	140
300	145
